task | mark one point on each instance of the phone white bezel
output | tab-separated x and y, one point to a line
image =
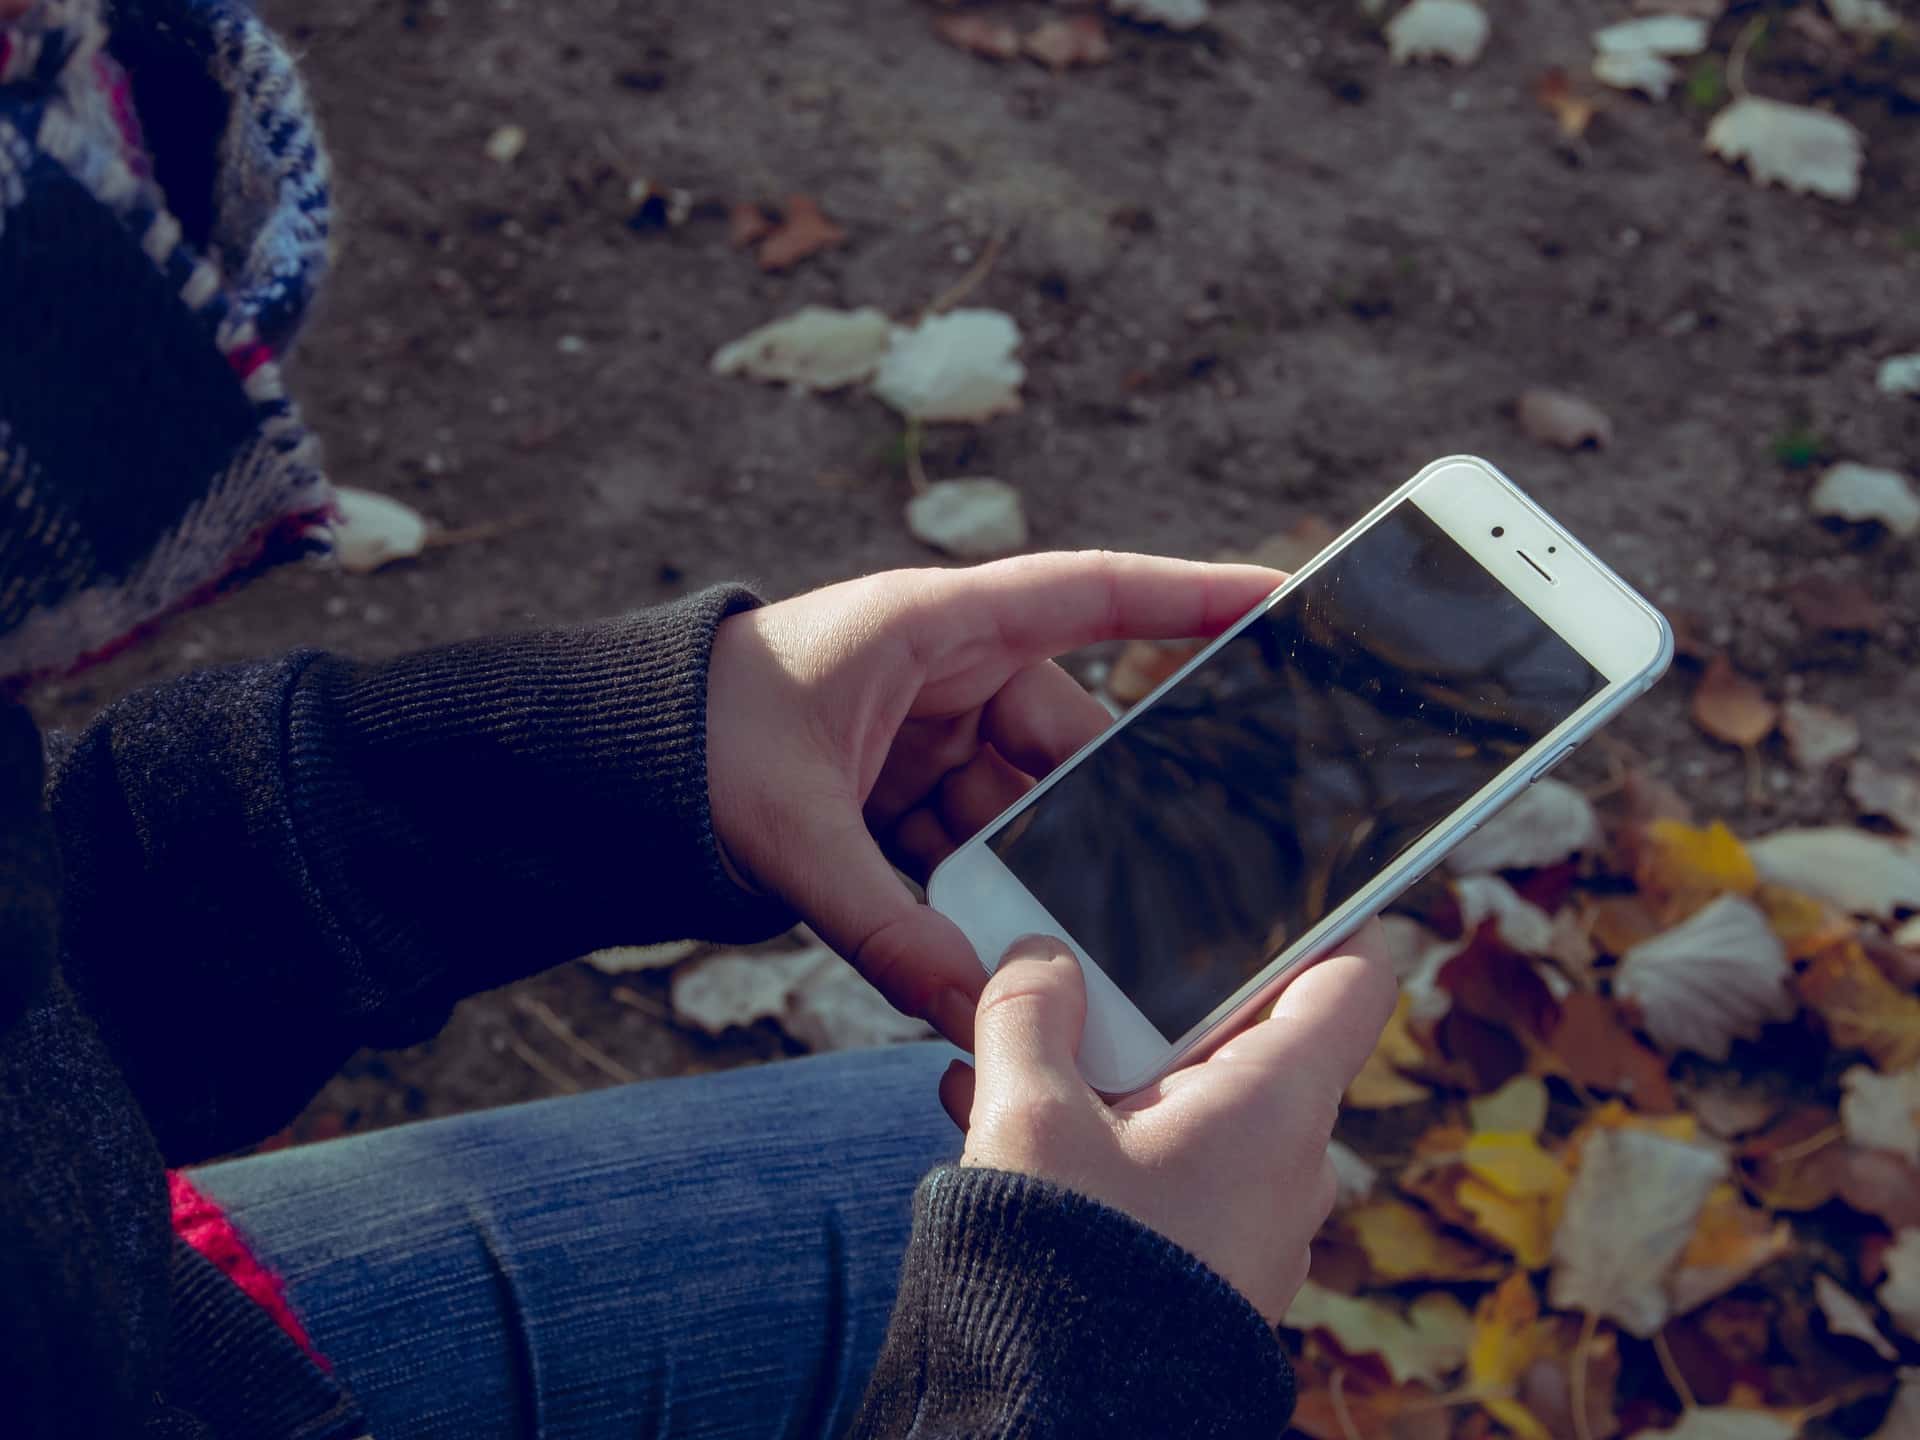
1547	569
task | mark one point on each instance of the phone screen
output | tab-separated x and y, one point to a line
1223	821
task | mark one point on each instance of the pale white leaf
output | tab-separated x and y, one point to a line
734	988
1864	873
815	348
1566	420
1654	35
1427	1344
1864	492
1636	70
1868	19
1548	822
1518	1107
972	519
1882	1112
1899	375
1804	150
1629	1214
1900	1292
1818	735
624	959
372	530
1454	30
1407	942
834	1008
1523	925
1730	1422
1720	973
1847	1316
1174	14
959	366
1903	1418
1891	794
1355	1176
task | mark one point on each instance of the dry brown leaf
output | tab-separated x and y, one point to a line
1572	110
1845	1315
1621	922
1839	607
1719	975
1805	924
1429	1342
1817	735
747	224
1143	665
1404	1243
1882	1112
1594	1049
1628	1217
1730	1242
1555	417
1731	708
1861	1007
1887	794
803	231
1379	1413
983	35
1900	1292
1070	42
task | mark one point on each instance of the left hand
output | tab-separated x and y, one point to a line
883	721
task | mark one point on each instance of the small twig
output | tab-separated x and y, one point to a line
1582	1352
485	530
969	282
916	473
567	1036
645	1004
539	1063
1337	1393
1748	37
1670	1368
1800	1149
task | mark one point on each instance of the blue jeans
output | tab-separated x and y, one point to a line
706	1257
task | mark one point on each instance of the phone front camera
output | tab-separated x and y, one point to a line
1498	531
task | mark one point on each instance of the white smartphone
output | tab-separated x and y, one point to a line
1309	765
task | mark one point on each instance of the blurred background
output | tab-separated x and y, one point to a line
1260	272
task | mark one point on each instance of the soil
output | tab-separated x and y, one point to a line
1262	274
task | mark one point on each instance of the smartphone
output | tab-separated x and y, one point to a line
1309	765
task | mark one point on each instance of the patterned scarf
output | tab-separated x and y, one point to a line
164	220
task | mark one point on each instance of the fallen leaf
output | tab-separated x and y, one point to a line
1572	111
1728	1107
1548	822
505	144
1839	607
1731	708
1903	1417
1403	1243
1629	1214
1520	924
1523	1228
1888	794
1174	14
1862	873
1428	1343
976	519
804	231
1728	1422
1730	1242
1720	974
1514	1164
626	959
1899	375
1620	922
1517	1108
1654	35
1501	986
1863	1010
1677	859
1806	151
734	988
1361	1408
748	224
983	35
1508	1338
815	348
1143	665
1845	1315
1555	417
1868	19
1548	1389
1641	70
1355	1177
1066	43
1817	735
834	1008
1791	1164
1900	1292
1380	1085
1452	30
1862	493
1879	1184
1595	1050
959	366
371	530
1882	1112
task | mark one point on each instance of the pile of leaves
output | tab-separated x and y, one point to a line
1639	1153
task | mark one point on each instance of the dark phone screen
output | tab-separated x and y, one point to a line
1224	821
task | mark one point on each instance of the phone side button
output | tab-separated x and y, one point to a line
1558	756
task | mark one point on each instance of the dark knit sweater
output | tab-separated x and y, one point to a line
237	879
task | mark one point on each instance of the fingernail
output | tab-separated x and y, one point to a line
1043	948
952	1014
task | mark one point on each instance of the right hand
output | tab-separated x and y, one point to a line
1227	1158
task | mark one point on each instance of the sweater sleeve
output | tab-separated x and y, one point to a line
1029	1311
268	866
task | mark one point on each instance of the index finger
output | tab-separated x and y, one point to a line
1044	605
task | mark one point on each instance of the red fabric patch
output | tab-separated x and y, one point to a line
204	1226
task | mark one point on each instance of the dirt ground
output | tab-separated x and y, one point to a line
1261	272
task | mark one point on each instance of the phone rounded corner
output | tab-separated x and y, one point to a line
1110	1087
937	883
1665	647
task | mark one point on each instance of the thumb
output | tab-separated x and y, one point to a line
1027	1031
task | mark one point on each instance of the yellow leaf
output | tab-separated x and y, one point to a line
1520	1106
1731	1240
1524	1228
1403	1243
1679	858
1515	1165
1805	925
1508	1337
1380	1085
1863	1009
1428	1343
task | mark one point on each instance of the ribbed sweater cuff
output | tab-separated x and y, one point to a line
1047	1314
534	795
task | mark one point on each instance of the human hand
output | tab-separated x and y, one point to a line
881	722
1227	1158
